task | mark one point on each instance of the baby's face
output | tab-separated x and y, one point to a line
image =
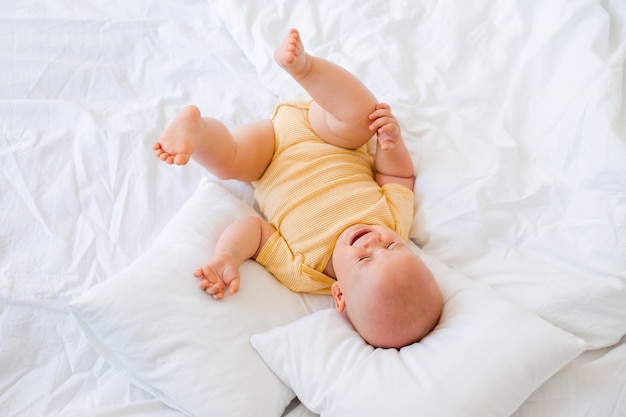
389	294
363	250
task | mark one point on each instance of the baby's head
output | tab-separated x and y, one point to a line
389	295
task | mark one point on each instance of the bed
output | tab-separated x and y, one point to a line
513	112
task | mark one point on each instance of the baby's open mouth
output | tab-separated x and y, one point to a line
357	236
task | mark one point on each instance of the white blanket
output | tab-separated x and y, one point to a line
513	112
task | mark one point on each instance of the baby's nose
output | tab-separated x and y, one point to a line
372	241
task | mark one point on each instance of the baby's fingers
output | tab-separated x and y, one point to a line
379	114
383	106
381	122
212	289
381	110
210	282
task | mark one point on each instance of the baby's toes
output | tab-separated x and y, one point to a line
181	159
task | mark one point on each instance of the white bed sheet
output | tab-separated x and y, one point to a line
85	89
87	85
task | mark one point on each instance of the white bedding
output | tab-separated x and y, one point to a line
513	112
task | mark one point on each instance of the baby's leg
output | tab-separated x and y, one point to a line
342	103
242	154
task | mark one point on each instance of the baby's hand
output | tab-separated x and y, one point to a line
218	274
386	126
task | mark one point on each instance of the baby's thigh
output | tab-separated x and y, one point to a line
255	149
346	134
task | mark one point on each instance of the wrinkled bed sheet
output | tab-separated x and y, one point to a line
514	114
85	88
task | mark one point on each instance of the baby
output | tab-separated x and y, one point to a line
337	219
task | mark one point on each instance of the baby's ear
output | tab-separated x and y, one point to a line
340	302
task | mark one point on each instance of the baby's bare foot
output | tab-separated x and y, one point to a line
177	142
290	55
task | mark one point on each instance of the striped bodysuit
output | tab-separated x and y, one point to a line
311	192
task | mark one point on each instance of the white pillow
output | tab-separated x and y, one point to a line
153	323
486	356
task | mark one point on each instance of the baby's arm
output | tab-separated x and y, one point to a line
242	239
392	162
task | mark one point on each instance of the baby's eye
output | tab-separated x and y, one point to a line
390	244
362	258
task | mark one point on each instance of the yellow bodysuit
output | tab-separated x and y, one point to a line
311	192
